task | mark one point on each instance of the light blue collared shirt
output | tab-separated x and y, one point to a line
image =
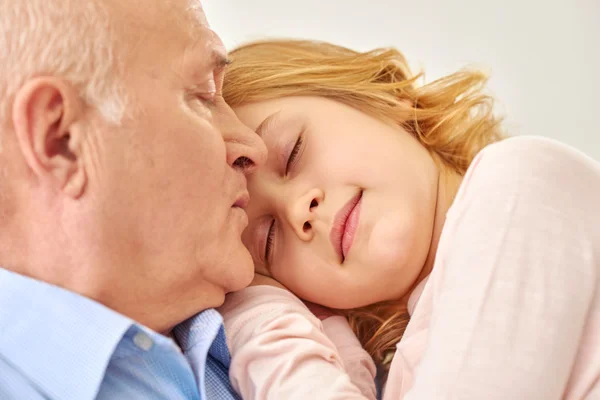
55	344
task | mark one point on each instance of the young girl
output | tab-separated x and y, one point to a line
466	264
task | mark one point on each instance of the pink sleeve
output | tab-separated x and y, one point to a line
358	363
279	350
516	276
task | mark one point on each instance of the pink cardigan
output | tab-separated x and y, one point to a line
510	311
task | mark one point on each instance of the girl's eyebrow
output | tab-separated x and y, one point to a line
267	124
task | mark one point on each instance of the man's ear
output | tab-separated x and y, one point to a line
47	118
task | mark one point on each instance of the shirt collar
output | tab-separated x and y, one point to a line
206	330
201	329
62	342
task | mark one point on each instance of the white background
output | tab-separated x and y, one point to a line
543	56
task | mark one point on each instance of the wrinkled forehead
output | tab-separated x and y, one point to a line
191	12
195	10
164	26
158	14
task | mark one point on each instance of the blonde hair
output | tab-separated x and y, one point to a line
451	117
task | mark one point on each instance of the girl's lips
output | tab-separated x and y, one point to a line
345	225
351	228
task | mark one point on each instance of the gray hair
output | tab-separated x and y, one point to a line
71	39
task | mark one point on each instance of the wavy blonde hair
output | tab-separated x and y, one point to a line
451	117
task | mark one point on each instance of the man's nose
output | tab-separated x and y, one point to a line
245	149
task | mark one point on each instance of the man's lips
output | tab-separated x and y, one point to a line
242	200
345	225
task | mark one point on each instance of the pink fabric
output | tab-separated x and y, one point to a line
510	311
280	350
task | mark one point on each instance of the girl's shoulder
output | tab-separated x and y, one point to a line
524	163
534	149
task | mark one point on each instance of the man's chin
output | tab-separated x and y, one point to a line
242	275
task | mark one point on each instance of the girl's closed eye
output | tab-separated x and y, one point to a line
293	157
292	161
269	242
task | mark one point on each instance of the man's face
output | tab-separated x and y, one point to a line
169	191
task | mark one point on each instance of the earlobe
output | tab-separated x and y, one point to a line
47	119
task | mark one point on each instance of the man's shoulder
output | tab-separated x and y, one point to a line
15	385
52	338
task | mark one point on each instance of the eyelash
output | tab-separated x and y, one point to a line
294	154
270	236
208	99
290	163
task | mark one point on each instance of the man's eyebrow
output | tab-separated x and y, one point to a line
220	59
267	124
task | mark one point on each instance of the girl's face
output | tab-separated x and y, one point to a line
343	211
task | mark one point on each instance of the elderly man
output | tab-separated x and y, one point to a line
122	195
